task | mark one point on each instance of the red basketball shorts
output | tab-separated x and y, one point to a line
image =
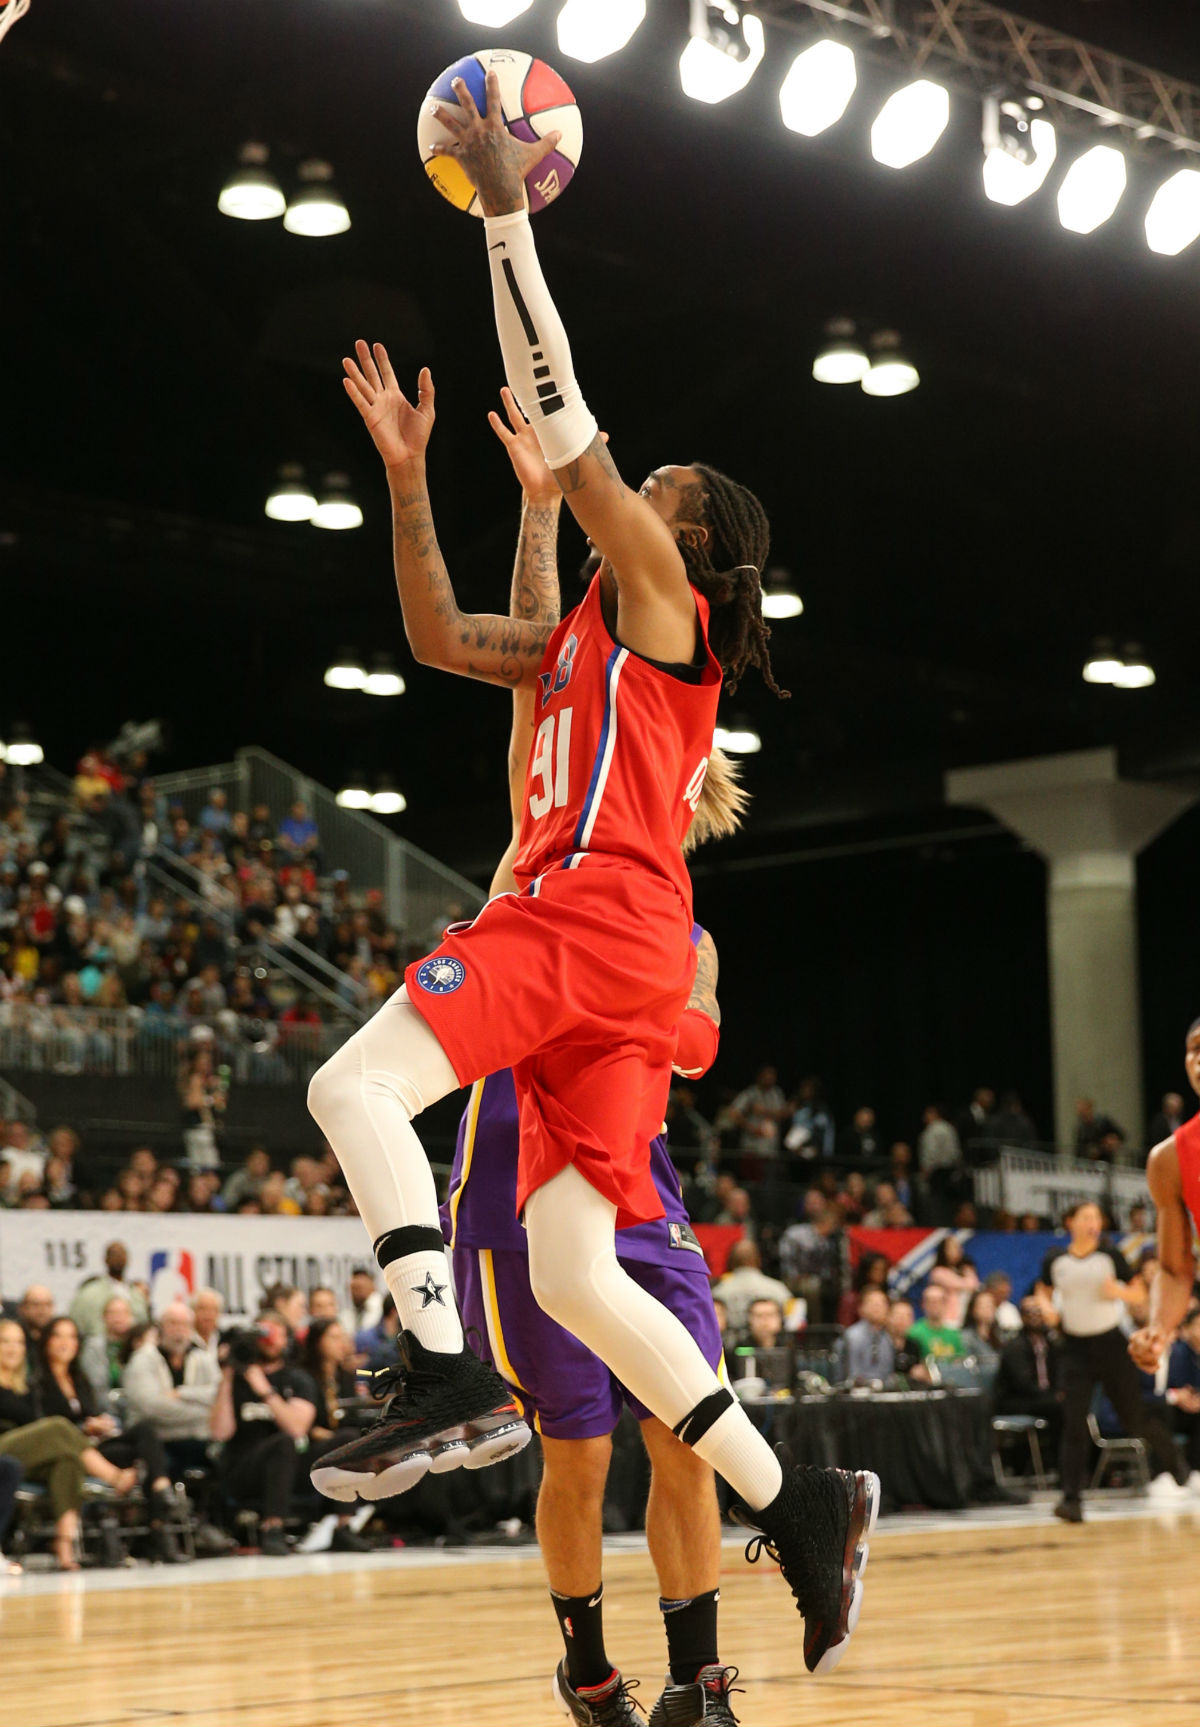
577	984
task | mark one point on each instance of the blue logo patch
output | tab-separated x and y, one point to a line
441	976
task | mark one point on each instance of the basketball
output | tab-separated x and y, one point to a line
535	101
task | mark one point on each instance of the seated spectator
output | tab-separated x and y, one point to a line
35	1312
366	1303
853	1197
765	1351
810	1255
887	1211
211	991
980	1336
1008	1315
52	1452
206	1319
908	1358
271	1199
63	1389
1183	1386
305	1177
100	1355
94	1294
328	1360
215	817
871	1273
163	1193
864	1353
375	1345
1029	1378
737	1211
745	1281
298	837
811	1131
860	1143
933	1337
248	1179
956	1274
204	1191
322	1304
260	1412
170	1380
285	1302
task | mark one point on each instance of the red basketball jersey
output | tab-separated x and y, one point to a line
619	754
1187	1150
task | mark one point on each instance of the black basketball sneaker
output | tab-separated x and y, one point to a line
817	1530
607	1705
704	1703
440	1412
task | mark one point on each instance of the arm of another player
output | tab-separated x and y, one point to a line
496	650
1171	1291
658	608
534	597
699	1028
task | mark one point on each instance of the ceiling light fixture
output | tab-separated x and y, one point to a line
1173	219
252	193
817	90
493	13
291	499
1135	671
725	49
336	509
892	373
347	672
355	794
1102	664
23	751
1018	150
739	738
387	799
1092	189
910	123
383	679
779	596
843	359
317	209
591	30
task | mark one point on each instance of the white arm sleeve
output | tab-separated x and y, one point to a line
537	355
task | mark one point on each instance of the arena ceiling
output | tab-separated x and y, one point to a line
956	549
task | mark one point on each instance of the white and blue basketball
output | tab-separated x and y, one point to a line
535	101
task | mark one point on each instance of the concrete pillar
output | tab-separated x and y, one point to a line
1089	824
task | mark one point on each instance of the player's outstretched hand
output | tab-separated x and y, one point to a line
1146	1347
494	161
524	452
399	428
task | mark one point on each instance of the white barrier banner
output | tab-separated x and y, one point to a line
176	1254
1048	1186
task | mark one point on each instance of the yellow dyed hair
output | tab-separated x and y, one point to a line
722	803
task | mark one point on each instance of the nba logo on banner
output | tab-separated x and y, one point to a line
172	1274
441	976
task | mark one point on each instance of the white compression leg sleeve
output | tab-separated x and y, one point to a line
364	1099
578	1280
537	355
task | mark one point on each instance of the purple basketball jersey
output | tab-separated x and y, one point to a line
481	1211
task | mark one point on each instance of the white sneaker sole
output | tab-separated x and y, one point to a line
833	1655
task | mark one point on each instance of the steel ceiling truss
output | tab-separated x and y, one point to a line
991	48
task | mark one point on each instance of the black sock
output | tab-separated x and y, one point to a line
581	1621
691	1635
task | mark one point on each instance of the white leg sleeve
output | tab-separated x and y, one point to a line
577	1279
364	1099
537	355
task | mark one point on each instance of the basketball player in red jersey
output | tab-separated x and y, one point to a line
578	982
1173	1171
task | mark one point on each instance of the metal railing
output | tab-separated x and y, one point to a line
420	895
1022	1181
15	1106
136	1043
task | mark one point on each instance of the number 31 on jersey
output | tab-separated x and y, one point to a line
550	765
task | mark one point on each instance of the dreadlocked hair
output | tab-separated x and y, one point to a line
723	800
726	569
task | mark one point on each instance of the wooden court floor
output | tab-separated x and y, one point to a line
981	1627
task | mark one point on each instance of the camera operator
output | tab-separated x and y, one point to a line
263	1406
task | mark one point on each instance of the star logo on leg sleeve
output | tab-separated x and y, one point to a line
429	1291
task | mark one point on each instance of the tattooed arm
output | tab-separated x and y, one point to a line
505	651
704	990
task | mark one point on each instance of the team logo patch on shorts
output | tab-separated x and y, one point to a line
441	976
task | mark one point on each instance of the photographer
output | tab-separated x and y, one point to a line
263	1407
